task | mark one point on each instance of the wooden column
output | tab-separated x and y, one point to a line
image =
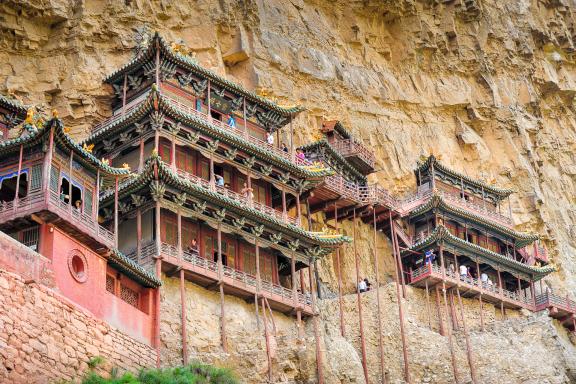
212	179
256	296
209	101
468	343
138	234
359	299
480	296
47	169
298	210
179	240
158	64
70	202
319	367
173	153
533	293
141	156
221	286
18	177
292	154
293	279
450	341
339	273
115	210
379	315
399	300
124	89
183	318
96	199
428	305
501	292
284	209
159	275
244	115
439	312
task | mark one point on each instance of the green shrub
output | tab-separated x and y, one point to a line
194	373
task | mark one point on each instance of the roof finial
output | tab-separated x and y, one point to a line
30	116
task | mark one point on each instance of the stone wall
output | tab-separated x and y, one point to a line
45	338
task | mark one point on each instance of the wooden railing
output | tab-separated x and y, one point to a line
549	299
471	282
477	208
118	114
28	204
236	131
245	200
84	222
351	147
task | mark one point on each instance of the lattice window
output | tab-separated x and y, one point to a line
54	175
36	179
129	295
110	283
29	237
88	201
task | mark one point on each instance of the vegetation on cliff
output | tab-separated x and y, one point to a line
194	373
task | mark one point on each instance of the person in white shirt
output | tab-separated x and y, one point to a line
270	138
463	272
362	286
484	278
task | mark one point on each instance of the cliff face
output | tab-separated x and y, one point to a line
487	84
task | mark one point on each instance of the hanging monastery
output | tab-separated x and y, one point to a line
189	180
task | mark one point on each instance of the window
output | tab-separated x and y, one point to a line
188	233
170	229
8	185
204	169
78	266
260	193
54	176
129	295
165	151
266	267
36	179
110	284
88	201
249	260
185	160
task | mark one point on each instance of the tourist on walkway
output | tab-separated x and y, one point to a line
300	154
368	284
362	287
484	279
219	180
270	138
284	147
463	272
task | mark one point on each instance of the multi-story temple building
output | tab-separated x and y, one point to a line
188	179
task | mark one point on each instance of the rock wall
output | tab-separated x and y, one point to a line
44	338
486	84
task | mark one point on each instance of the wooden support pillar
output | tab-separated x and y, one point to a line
124	89
292	154
293	280
96	199
302	282
509	208
449	329
209	101
159	275
47	169
158	65
359	300
256	296
428	305
398	259
173	153
481	287
138	234
183	318
179	239
467	338
533	293
379	315
70	202
115	210
319	367
16	198
141	156
339	273
396	254
439	312
221	286
212	178
501	292
284	208
245	117
267	337
298	210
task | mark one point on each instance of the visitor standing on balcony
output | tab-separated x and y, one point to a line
78	205
247	193
231	121
284	147
193	247
270	138
219	180
484	278
300	154
429	257
463	272
368	284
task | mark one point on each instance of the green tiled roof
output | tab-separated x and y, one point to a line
164	104
190	64
442	234
14	105
437	201
34	136
118	260
424	166
166	175
324	144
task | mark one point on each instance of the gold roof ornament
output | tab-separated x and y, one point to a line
55	113
66	130
105	161
154	152
126	166
88	148
30	116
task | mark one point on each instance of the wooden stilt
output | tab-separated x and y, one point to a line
428	306
183	318
396	254
481	313
449	329
319	368
16	197
115	208
399	264
359	301
258	281
439	312
376	267
267	336
467	338
221	286
339	273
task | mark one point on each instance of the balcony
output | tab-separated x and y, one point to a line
205	272
356	153
79	223
244	200
473	287
561	308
